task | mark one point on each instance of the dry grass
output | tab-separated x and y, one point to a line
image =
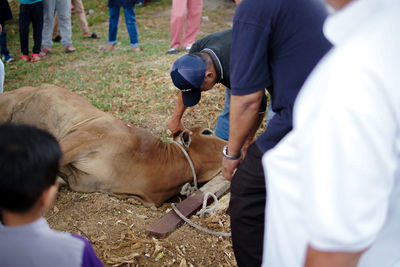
136	88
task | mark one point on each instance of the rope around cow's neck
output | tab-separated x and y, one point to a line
187	190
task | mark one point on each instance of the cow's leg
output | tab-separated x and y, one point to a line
74	146
77	146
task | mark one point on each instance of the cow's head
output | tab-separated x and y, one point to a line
205	150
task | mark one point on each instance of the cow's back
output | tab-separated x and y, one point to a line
94	143
44	107
9	100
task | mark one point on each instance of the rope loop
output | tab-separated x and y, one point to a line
204	209
187	189
198	226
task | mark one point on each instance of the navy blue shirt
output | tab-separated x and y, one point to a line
121	3
276	44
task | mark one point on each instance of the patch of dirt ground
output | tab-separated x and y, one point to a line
117	227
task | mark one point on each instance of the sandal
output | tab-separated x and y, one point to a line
70	49
35	58
172	51
25	58
109	47
57	39
93	36
45	51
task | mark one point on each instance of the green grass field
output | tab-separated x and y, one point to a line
135	87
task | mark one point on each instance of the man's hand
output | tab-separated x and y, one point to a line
175	126
228	167
316	258
1	29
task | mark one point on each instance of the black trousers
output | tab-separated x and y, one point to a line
247	208
28	13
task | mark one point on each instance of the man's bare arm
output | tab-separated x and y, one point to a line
316	258
242	118
251	136
175	124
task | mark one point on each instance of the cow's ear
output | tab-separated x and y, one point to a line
185	138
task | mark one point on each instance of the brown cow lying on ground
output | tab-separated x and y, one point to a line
102	153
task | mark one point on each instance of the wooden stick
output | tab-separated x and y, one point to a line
170	221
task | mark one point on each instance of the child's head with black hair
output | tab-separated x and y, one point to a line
29	162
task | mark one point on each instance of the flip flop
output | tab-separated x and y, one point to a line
93	36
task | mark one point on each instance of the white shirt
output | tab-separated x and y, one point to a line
334	181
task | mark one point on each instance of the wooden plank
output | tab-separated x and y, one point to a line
218	186
170	221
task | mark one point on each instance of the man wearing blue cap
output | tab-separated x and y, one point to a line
206	64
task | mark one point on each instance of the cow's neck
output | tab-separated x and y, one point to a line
189	160
174	157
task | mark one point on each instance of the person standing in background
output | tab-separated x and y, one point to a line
1	74
181	11
30	11
79	11
63	8
5	14
130	21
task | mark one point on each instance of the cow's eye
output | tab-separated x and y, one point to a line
207	132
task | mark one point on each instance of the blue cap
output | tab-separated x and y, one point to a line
188	74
